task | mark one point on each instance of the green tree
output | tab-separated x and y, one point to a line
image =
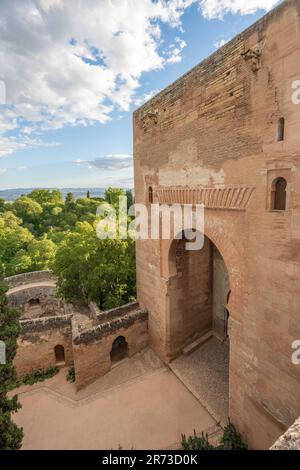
41	254
10	435
43	196
2	205
112	195
20	263
13	239
130	199
70	198
92	269
27	209
88	195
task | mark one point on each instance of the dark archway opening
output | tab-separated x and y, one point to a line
34	302
119	350
59	352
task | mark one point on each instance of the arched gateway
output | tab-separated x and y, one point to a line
199	288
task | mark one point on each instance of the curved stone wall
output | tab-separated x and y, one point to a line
20	297
29	278
35	294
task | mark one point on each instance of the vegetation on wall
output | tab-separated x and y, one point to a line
71	375
37	376
231	440
10	434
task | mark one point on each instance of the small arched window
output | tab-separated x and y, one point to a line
281	129
279	194
150	195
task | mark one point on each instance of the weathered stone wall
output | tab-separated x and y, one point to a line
37	341
48	305
221	289
290	440
86	334
28	278
190	294
214	131
92	347
35	294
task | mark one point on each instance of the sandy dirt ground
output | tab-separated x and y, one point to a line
140	404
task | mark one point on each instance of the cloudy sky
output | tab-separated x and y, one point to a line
72	72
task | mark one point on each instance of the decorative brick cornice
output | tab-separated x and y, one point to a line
223	198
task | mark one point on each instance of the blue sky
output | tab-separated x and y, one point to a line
68	123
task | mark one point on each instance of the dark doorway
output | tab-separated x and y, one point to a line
119	349
59	354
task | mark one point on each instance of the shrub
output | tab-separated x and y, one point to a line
196	443
231	440
38	376
71	374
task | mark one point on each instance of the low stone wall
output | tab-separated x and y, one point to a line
37	341
112	321
29	278
290	440
92	347
86	336
108	315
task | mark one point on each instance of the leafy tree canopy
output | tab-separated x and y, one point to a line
41	231
10	435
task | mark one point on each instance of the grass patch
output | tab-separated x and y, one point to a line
37	376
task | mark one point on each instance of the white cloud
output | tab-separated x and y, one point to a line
218	8
125	183
79	162
72	62
145	97
173	54
10	144
220	43
17	168
117	161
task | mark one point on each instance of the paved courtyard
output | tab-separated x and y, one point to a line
206	374
139	404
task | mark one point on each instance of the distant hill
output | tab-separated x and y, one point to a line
13	194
